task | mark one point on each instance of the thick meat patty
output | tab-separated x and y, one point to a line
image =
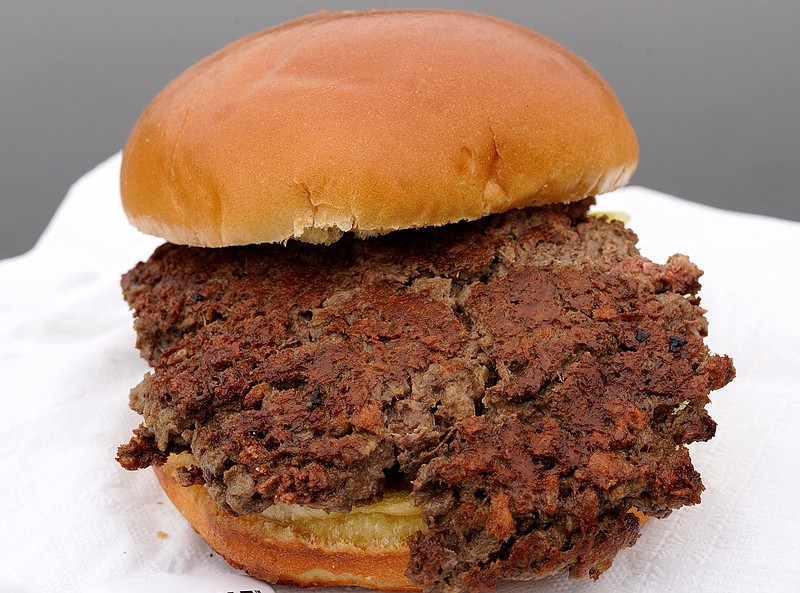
529	377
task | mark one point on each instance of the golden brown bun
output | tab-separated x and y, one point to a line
372	553
371	122
280	552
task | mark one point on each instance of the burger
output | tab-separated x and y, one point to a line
391	346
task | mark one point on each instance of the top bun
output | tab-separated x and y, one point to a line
371	122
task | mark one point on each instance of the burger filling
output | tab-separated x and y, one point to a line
529	377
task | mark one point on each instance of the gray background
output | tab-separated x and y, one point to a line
712	87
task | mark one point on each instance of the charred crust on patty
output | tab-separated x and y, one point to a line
511	372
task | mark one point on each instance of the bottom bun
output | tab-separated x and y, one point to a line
296	545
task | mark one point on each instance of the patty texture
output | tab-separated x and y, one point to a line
529	377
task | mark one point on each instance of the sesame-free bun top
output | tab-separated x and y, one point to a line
371	122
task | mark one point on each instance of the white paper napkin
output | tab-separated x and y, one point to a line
73	519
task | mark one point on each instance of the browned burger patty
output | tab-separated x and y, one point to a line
528	376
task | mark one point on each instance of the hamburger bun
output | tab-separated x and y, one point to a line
295	545
369	122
